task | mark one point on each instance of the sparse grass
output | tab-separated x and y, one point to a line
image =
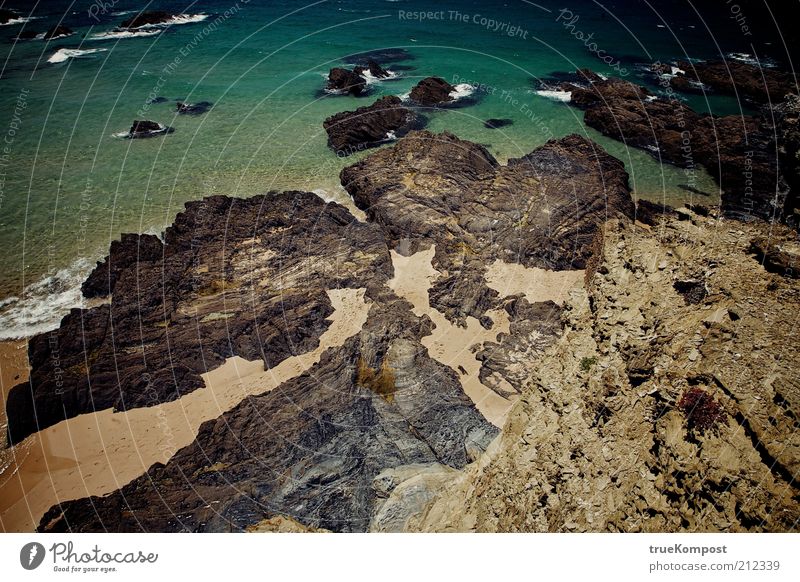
380	381
587	363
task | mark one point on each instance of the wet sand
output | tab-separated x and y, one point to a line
13	370
97	453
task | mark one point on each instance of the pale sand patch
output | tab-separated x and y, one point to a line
450	344
453	345
536	284
94	454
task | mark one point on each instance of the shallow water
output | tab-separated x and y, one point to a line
71	186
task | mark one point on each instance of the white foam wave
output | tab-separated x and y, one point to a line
117	34
391	136
177	19
565	96
64	54
44	303
751	60
370	79
20	20
462	90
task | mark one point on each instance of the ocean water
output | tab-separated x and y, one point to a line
71	184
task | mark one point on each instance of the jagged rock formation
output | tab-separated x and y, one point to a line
124	254
730	77
373	68
311	448
541	210
600	440
739	151
384	120
236	277
432	91
344	81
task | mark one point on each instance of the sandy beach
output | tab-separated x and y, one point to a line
97	453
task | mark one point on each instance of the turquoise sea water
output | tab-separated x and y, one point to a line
70	185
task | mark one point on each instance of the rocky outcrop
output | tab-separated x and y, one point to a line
144	129
59	31
602	438
541	210
310	450
384	120
781	257
730	77
150	18
373	68
344	81
739	151
126	253
255	288
432	91
7	15
785	118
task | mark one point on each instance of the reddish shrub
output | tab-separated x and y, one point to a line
702	411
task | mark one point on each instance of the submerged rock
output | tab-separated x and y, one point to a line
497	123
384	120
193	108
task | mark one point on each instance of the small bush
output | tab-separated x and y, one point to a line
701	410
380	381
587	363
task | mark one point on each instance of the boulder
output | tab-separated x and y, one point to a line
345	81
432	91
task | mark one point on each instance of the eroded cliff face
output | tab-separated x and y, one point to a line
603	438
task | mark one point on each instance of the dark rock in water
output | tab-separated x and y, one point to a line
147	19
396	67
379	56
184	311
497	123
775	258
26	35
432	91
344	81
126	253
374	69
59	31
438	189
193	108
7	16
729	77
144	128
648	212
384	120
156	100
739	151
